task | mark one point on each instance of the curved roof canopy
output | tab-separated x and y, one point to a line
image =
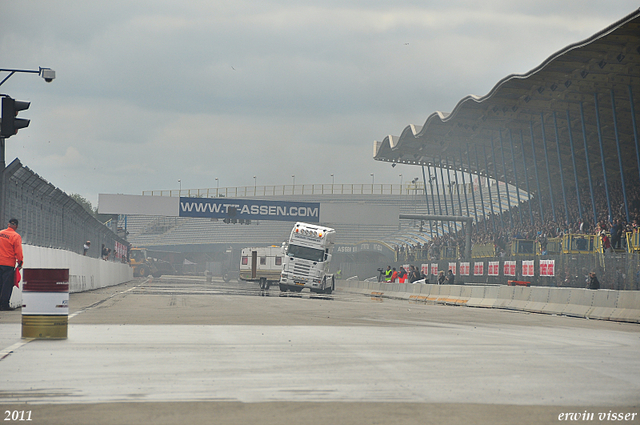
580	96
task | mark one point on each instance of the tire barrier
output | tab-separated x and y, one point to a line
603	304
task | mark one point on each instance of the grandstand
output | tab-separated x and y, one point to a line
545	155
182	234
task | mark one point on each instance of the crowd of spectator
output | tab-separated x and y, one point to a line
539	219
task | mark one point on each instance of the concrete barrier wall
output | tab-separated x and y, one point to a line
602	304
85	273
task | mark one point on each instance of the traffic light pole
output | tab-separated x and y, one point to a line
2	167
48	75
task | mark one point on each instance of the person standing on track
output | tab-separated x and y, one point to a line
10	261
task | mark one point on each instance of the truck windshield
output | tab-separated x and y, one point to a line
312	254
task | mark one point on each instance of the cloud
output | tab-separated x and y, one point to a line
149	92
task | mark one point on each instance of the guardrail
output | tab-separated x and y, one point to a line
622	306
289	190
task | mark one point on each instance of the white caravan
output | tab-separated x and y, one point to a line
261	265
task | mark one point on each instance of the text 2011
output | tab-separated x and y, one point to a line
17	415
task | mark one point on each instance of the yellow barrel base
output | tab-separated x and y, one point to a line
44	327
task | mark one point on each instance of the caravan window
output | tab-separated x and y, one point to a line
263	261
278	261
245	261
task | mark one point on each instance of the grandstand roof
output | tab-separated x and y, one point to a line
585	85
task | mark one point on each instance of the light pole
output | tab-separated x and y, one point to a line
332	180
294	179
180	183
217	186
255	185
373	179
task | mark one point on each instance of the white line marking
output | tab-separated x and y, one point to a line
71	316
9	350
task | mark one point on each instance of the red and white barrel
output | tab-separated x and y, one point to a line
45	303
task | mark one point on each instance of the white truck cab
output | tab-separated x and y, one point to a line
307	258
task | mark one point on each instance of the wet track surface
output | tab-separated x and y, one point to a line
176	341
196	286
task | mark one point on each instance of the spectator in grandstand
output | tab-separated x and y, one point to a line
616	234
10	261
441	278
86	247
606	243
592	281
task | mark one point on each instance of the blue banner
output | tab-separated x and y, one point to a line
250	209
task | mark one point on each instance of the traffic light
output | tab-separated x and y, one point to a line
10	123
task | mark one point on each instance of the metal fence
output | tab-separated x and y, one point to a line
50	218
614	271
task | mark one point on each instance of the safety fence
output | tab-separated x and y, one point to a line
614	271
618	271
614	305
568	244
50	218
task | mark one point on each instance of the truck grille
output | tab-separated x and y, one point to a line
301	269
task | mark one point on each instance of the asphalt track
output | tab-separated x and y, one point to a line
182	351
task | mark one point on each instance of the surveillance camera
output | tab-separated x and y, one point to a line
48	74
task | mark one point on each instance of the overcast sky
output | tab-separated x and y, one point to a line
151	92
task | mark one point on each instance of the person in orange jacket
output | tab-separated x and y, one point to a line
10	260
394	276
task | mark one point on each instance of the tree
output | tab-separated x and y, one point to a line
86	204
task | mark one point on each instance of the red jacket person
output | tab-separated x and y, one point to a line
10	259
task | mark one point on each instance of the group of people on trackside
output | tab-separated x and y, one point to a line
391	275
413	274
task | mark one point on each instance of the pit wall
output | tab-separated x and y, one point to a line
85	273
603	304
